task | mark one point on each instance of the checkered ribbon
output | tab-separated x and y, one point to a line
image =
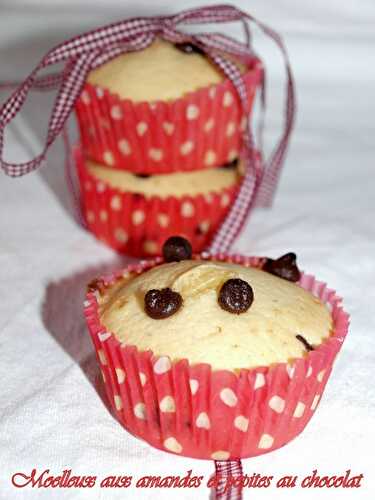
83	53
226	472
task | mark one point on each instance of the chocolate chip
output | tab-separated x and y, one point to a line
96	285
284	267
302	339
176	248
230	165
143	176
236	296
189	48
160	304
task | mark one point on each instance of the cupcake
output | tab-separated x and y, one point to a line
214	357
136	213
164	108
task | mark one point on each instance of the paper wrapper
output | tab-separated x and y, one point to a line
200	413
202	129
137	225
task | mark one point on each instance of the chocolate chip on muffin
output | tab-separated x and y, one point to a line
160	304
143	176
230	164
284	267
96	285
236	296
307	345
189	48
176	248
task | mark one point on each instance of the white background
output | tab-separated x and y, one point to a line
52	412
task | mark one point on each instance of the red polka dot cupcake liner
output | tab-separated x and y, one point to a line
136	225
194	411
201	130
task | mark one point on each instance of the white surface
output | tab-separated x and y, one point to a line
52	414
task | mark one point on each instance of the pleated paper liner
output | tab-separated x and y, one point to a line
137	225
200	413
200	130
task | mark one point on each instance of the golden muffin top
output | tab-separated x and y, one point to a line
161	72
178	184
224	314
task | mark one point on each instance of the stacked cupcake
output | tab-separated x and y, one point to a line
161	136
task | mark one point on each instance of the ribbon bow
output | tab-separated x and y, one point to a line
83	53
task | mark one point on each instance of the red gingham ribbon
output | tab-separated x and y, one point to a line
225	470
83	53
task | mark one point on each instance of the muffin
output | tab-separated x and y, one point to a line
134	214
214	357
163	108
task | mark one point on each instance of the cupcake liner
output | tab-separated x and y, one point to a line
194	411
137	225
200	130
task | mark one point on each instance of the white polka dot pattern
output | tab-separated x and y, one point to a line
187	209
99	92
116	112
320	376
265	442
228	397
138	216
118	402
120	374
225	200
163	220
204	226
172	444
168	128
103	336
100	187
194	385
103	215
209	157
300	410
227	99
155	154
192	112
124	147
241	423
102	357
120	235
162	365
90	216
108	158
167	405
277	404
140	411
259	381
116	203
290	370
141	128
142	378
186	148
202	421
231	128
